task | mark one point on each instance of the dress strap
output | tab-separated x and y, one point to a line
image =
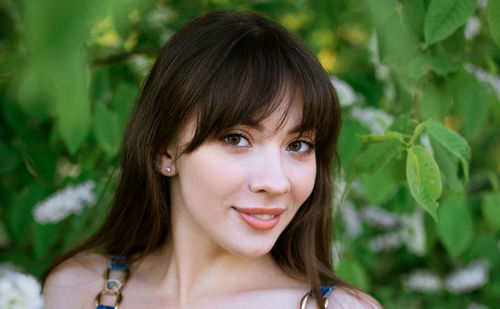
113	286
325	292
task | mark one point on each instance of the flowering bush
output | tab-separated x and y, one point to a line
19	291
418	209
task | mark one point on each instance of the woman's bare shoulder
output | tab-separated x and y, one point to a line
343	297
76	281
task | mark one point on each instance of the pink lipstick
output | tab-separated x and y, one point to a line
260	218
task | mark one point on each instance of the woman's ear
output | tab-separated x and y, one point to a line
166	165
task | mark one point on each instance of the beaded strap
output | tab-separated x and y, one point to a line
325	291
113	286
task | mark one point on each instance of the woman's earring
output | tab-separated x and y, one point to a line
168	169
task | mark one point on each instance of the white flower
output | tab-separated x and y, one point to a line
467	279
373	47
423	281
385	242
482	4
140	64
484	77
160	16
426	142
19	291
472	27
376	216
374	119
476	306
337	249
413	232
346	94
339	191
64	202
351	219
381	71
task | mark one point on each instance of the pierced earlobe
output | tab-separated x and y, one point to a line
167	170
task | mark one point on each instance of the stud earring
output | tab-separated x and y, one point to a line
168	169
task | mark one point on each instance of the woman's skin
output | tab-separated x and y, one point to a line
217	256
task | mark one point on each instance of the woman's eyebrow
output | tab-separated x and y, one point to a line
296	129
259	127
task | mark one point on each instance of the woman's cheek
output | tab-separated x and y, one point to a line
303	182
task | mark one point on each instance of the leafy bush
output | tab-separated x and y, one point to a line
418	81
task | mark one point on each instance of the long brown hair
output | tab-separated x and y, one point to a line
226	68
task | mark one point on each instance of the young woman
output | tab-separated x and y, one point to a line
224	198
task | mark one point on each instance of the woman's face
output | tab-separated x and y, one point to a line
241	189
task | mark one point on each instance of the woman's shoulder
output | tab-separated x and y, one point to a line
343	297
76	280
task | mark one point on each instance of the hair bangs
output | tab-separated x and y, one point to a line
257	74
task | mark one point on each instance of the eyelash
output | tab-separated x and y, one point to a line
239	135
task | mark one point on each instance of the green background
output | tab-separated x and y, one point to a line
70	72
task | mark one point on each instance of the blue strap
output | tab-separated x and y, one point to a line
118	262
104	307
325	291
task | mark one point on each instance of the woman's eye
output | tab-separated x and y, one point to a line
236	140
299	146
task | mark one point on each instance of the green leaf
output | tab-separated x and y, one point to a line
123	102
346	145
32	92
470	99
413	17
435	102
493	15
383	10
423	64
444	17
72	103
403	124
483	246
107	130
354	273
491	210
101	85
374	138
9	158
14	117
453	47
376	156
455	226
397	168
420	127
44	164
19	213
448	164
378	187
402	203
424	179
452	142
394	42
45	236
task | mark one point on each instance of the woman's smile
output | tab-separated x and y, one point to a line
241	189
260	218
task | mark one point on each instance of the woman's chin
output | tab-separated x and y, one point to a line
252	252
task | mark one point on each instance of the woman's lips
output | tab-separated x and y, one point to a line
260	218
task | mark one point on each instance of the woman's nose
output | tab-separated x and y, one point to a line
268	174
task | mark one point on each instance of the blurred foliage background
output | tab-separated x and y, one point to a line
70	72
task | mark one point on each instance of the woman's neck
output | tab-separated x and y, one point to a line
187	268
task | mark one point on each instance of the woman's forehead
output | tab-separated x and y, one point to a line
285	112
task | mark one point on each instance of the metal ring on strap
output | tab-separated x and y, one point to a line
117	301
113	286
303	301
